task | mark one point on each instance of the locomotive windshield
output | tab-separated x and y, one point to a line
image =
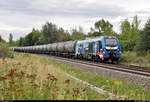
111	42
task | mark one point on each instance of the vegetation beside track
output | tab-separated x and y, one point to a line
5	52
29	77
125	90
137	59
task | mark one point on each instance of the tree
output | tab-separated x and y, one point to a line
125	29
10	39
49	33
63	35
135	29
28	40
21	41
126	37
36	37
4	51
33	38
129	34
34	30
144	39
0	38
103	26
78	34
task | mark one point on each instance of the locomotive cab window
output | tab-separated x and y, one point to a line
111	42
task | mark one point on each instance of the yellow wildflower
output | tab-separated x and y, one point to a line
116	82
60	97
107	81
120	82
131	91
78	98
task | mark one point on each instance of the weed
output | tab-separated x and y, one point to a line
28	77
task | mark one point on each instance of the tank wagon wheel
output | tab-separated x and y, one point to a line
80	57
93	59
88	58
97	59
112	61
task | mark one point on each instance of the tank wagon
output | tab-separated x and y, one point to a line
103	48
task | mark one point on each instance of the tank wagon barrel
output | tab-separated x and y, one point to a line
60	47
70	46
54	47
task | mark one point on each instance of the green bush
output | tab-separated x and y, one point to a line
147	57
26	55
11	54
141	53
5	51
137	58
129	56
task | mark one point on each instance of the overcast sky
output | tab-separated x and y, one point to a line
20	16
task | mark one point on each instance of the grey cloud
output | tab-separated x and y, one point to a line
62	8
26	14
143	11
76	8
15	5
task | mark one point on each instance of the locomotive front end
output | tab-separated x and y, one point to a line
111	48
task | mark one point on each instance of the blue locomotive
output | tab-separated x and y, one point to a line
102	49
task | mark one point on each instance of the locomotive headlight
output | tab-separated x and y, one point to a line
118	49
104	49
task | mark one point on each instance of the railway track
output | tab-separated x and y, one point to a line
122	68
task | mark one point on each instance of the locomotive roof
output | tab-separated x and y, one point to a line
95	39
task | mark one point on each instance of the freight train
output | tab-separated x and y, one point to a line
102	49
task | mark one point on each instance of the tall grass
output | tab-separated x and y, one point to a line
124	90
28	77
5	51
137	59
